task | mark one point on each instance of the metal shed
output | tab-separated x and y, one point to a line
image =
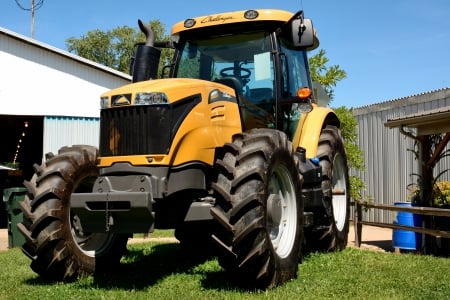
49	98
389	158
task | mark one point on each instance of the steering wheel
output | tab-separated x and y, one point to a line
243	72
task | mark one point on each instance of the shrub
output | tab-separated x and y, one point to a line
441	193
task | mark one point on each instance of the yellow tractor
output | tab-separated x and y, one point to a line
231	146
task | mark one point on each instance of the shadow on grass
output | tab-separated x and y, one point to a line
144	267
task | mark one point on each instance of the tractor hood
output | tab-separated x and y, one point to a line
165	91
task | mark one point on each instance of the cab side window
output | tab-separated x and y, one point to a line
294	69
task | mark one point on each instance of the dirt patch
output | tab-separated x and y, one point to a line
3	239
373	238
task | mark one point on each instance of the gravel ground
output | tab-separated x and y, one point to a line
373	238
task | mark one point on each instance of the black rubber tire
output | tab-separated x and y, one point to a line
258	184
58	251
332	235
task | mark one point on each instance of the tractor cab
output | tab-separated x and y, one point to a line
263	60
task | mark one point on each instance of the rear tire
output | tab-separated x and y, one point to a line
259	209
55	242
332	234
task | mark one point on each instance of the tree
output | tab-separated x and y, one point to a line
326	76
355	158
114	48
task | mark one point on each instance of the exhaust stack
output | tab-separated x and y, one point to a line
144	65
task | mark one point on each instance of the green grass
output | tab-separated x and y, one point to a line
162	271
158	233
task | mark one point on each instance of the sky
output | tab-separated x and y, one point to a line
389	49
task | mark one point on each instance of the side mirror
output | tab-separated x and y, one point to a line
304	34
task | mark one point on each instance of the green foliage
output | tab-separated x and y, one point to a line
355	157
441	194
327	76
114	48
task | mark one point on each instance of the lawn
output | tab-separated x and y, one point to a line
162	271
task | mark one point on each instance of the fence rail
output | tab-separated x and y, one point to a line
428	211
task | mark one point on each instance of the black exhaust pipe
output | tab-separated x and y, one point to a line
144	64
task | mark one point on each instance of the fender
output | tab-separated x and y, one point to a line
310	127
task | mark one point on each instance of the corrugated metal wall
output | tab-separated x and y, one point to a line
389	163
66	131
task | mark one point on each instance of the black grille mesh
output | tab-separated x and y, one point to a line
134	130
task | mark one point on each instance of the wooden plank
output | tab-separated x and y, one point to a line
434	232
429	211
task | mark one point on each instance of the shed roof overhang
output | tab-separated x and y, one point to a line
428	122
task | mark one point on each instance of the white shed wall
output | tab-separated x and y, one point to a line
36	79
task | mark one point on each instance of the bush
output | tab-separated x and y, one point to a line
441	193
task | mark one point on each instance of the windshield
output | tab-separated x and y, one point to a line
242	61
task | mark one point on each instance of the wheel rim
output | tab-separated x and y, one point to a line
339	189
282	211
91	244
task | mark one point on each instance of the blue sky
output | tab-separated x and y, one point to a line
389	48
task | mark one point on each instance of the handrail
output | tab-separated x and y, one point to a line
429	211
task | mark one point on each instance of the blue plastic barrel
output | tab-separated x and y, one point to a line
404	239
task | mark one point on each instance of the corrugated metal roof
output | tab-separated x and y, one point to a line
426	122
66	54
438	112
403	101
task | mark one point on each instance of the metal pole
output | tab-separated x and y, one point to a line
32	19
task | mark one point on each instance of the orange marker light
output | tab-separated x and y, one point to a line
304	93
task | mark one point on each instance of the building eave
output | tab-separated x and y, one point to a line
65	54
426	122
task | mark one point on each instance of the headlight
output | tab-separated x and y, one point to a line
149	98
104	102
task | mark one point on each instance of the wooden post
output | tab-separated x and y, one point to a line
426	190
358	224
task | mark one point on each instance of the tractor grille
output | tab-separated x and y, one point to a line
134	130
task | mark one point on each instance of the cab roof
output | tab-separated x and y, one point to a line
241	16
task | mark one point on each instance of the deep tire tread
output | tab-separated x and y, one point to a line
49	242
245	249
330	239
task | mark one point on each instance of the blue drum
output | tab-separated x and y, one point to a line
403	239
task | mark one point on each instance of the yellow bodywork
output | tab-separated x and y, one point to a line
309	128
233	17
207	126
210	124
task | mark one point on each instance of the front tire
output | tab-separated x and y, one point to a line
332	232
54	240
259	209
